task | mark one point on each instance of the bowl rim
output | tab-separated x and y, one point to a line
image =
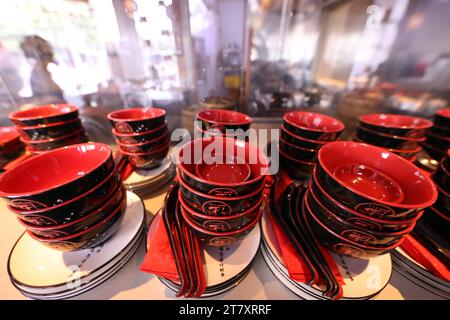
16	114
137	134
212	197
442	215
319	142
365	118
113	115
221	234
201	116
144	153
14	132
75	235
192	211
50	153
340	125
356	213
392	246
69	135
49	125
297	147
407	164
71	223
390	136
217	133
164	135
444	112
32	212
295	160
264	162
342	220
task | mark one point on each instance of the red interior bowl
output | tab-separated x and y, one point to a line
442	118
39	115
314	126
406	175
222	168
395	124
222	119
56	176
9	136
137	120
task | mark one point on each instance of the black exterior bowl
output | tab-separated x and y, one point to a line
220	223
222	120
186	168
349	230
443	201
137	120
72	209
440	131
365	221
442	118
382	166
53	143
219	206
300	141
45	114
439	221
435	153
296	169
146	147
341	245
147	160
441	176
296	152
219	239
134	138
439	142
11	154
118	198
313	126
396	125
56	177
50	131
89	238
386	141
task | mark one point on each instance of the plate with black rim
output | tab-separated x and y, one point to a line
45	270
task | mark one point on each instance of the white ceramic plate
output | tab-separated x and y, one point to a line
34	265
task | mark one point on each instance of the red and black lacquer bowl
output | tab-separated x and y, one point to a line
434	152
147	160
373	181
80	224
387	141
396	125
440	131
192	153
296	152
9	138
300	141
137	120
439	142
442	118
443	201
134	138
45	114
72	209
361	219
88	238
221	223
295	168
350	230
49	131
341	245
145	147
218	119
54	143
219	239
314	126
441	176
219	206
57	176
438	220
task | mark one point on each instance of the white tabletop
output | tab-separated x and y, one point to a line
130	283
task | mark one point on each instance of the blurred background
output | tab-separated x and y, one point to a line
340	57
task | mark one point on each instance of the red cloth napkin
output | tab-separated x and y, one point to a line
421	254
159	259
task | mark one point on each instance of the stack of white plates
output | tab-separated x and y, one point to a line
363	279
144	182
224	267
417	274
40	272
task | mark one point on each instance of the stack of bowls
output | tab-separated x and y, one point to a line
438	136
68	199
231	124
221	194
47	127
438	215
363	200
142	135
10	145
399	134
302	135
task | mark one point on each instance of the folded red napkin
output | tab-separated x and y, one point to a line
421	254
159	259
